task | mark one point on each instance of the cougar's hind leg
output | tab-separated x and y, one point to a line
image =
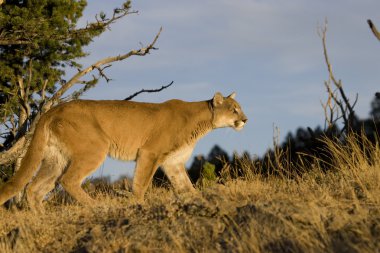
146	166
51	168
81	166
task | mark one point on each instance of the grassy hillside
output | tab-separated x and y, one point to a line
337	211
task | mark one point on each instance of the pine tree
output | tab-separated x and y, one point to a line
375	108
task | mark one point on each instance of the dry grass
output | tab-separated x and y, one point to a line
336	211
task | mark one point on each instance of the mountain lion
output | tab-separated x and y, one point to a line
72	140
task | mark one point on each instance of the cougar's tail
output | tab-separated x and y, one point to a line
29	164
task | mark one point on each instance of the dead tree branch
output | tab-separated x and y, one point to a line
373	29
330	108
347	112
14	152
149	91
76	78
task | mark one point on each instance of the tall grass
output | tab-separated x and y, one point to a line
243	211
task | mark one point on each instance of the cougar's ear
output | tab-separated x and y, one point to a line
232	95
218	99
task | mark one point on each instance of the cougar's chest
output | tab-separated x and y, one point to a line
179	156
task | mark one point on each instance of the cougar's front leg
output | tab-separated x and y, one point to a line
146	166
179	178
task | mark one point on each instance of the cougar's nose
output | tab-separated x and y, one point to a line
244	120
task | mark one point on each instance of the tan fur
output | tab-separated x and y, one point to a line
73	139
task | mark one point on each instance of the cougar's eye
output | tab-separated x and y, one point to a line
235	110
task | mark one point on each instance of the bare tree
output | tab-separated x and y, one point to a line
337	106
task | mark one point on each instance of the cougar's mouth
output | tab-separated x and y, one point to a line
239	124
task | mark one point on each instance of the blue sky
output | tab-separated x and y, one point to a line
268	52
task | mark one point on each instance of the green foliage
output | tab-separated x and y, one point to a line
40	23
208	175
39	56
208	172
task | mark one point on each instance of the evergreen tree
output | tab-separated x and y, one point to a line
375	108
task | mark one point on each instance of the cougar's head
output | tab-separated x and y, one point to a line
227	112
